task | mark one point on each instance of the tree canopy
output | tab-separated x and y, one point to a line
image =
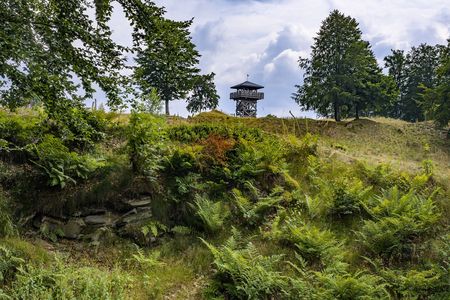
342	74
436	100
168	62
204	94
53	52
412	72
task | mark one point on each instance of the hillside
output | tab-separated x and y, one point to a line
217	207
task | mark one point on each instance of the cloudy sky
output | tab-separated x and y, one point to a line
264	38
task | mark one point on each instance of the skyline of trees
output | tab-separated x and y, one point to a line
343	79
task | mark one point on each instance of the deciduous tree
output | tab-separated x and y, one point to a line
204	94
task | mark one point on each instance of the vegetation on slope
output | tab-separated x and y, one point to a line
241	209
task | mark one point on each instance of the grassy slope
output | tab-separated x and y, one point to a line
186	261
378	140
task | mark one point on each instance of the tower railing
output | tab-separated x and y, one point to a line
254	95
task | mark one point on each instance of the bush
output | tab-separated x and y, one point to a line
418	284
212	214
253	208
59	164
9	264
59	282
6	224
351	286
398	221
314	244
243	273
337	198
146	144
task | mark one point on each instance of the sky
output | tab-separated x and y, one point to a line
265	38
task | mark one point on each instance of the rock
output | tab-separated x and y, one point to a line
135	216
72	229
102	235
90	211
51	228
50	223
106	219
139	202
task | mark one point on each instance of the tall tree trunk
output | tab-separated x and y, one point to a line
356	112
167	108
337	115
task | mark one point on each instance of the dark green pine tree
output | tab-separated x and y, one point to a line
436	101
412	73
168	61
342	77
395	63
204	94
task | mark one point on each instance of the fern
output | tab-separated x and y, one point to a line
398	219
212	214
243	273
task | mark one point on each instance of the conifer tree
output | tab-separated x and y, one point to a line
436	101
342	77
412	72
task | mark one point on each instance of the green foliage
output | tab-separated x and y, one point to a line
243	273
37	32
146	263
436	101
432	283
146	144
212	214
254	208
399	220
19	130
351	286
338	198
59	282
9	264
59	164
204	95
7	227
314	244
413	72
168	63
153	227
342	74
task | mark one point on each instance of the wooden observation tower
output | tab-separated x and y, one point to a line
246	97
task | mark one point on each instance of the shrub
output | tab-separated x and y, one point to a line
314	244
254	208
337	198
212	214
348	197
9	264
432	283
6	224
398	220
59	282
76	126
243	273
146	144
59	164
348	286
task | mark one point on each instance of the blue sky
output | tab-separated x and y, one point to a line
264	38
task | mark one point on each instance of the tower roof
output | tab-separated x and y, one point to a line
248	85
